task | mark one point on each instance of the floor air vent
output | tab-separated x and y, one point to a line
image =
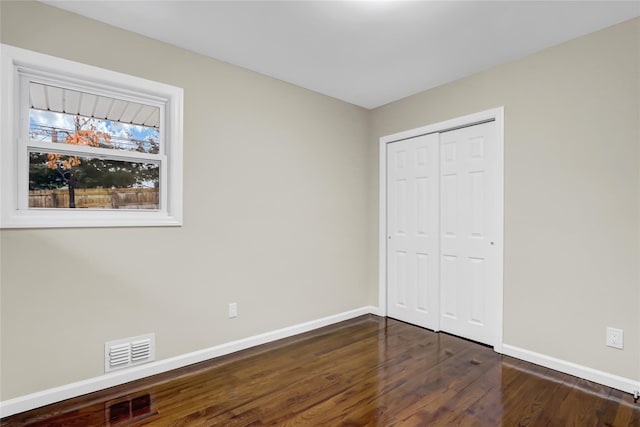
129	352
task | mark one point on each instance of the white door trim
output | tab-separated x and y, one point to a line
496	114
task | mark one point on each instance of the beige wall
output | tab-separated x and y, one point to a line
572	185
290	228
275	206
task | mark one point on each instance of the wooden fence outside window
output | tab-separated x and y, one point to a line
97	198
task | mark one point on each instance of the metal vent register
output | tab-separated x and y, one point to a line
128	352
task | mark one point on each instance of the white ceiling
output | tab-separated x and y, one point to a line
367	53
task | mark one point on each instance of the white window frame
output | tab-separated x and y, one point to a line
16	65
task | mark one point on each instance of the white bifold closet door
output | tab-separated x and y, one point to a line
441	218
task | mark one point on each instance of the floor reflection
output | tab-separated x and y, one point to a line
129	410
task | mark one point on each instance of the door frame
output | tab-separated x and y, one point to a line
494	114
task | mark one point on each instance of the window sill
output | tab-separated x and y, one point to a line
81	218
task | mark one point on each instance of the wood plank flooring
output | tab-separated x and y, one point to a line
368	371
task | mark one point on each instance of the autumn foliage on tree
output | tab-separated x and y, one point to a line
81	136
65	166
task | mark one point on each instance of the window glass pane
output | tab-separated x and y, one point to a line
60	181
60	115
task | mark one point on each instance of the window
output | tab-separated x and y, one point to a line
83	146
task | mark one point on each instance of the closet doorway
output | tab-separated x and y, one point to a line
441	227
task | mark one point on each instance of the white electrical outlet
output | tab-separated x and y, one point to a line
233	310
615	338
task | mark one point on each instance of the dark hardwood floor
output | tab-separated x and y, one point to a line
368	371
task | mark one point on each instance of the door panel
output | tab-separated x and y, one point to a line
412	231
467	209
449	286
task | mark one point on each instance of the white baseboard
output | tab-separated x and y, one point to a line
378	311
57	394
600	377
